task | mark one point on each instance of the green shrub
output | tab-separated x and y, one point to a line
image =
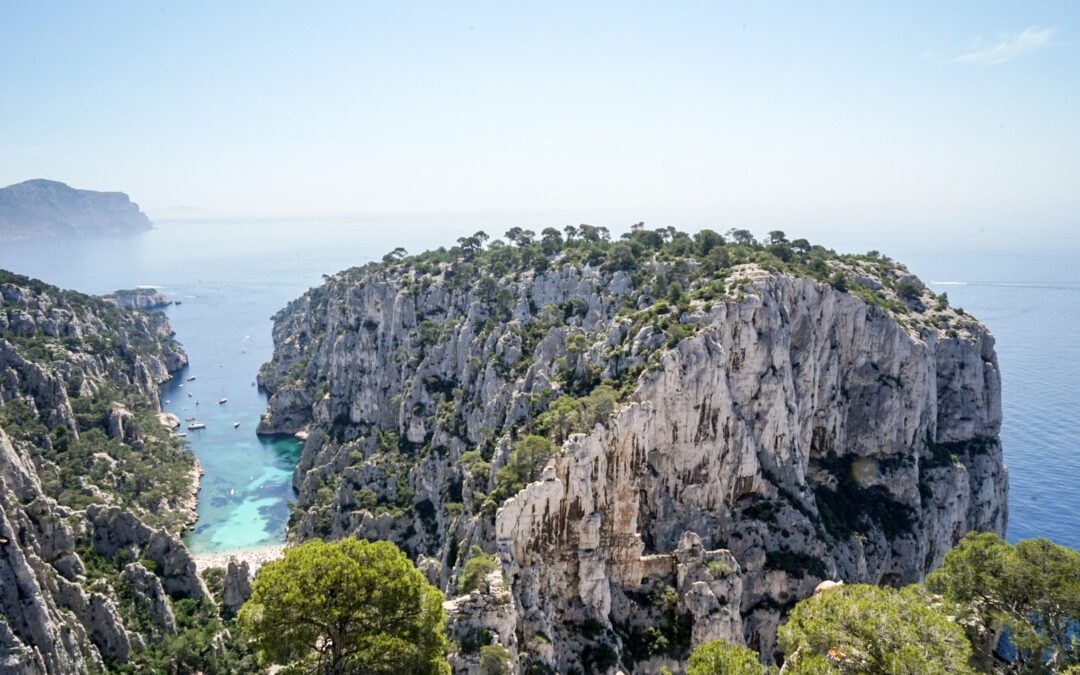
477	566
717	657
839	281
866	629
522	466
474	464
494	660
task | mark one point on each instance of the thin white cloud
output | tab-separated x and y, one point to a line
1008	47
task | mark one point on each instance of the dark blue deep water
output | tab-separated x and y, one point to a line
1030	301
231	277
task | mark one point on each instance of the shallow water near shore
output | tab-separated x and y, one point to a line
232	277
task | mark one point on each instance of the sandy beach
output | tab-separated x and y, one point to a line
255	557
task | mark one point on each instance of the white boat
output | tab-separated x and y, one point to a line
196	425
180	435
235	425
189	419
222	401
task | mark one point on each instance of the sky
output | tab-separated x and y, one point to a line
922	118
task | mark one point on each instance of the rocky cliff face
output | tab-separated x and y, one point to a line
142	298
84	467
41	209
719	448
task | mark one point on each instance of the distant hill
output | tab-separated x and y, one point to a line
42	209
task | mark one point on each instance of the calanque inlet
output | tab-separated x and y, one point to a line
652	442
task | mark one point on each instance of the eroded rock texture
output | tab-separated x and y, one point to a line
79	443
771	432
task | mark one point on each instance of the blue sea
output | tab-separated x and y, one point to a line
231	277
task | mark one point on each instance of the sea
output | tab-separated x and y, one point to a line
229	277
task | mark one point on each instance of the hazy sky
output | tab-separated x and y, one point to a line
924	118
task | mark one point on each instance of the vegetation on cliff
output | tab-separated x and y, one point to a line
82	400
95	493
670	281
578	404
355	606
986	589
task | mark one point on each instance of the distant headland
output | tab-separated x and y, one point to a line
44	209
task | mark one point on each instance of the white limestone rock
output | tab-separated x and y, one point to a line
710	486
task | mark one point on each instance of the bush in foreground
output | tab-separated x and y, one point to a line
346	607
866	629
717	657
1031	589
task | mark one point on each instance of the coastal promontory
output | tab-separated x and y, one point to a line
142	297
612	451
46	209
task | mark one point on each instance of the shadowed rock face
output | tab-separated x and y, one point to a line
790	433
42	209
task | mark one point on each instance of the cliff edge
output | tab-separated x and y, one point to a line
94	490
656	441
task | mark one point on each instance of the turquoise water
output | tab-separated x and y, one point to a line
231	277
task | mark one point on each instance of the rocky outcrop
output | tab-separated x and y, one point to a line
725	446
88	566
236	587
76	364
176	566
484	616
150	597
169	421
42	209
38	637
52	623
113	529
143	298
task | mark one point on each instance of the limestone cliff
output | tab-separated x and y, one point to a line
734	423
43	209
93	490
143	298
